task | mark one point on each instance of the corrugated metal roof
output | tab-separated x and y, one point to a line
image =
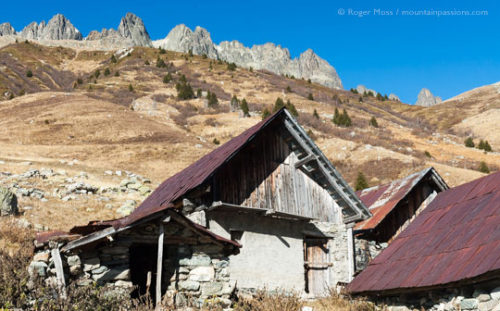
381	200
457	237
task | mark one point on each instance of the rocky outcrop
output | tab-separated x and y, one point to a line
426	99
132	27
394	97
32	31
267	56
58	28
362	90
131	32
6	29
8	202
182	39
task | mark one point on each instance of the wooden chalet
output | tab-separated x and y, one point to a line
265	210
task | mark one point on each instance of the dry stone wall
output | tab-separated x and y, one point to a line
194	276
477	297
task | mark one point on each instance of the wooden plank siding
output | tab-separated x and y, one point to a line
263	175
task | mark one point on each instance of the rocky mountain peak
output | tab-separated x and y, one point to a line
183	39
427	99
132	27
32	31
60	28
6	29
268	56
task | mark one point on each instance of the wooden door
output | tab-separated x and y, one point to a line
316	265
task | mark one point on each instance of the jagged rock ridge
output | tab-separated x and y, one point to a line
132	27
58	28
267	56
6	29
131	32
427	99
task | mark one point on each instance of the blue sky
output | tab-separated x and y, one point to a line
398	54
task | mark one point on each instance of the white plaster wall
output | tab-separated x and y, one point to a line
272	253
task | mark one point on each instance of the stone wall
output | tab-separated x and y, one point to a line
193	275
201	277
338	245
365	251
478	297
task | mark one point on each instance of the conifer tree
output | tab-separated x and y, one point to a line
469	142
291	108
373	122
315	114
244	108
483	168
361	182
265	113
278	104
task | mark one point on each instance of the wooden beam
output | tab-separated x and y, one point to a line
95	236
61	282
159	265
305	160
242	208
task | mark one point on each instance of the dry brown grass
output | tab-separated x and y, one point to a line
282	301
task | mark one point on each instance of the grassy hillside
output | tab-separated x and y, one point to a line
93	112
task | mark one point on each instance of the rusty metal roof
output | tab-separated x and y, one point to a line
199	172
456	238
381	200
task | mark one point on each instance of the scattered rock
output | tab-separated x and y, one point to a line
469	304
8	202
127	208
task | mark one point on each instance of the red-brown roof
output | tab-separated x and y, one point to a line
457	237
175	187
381	200
191	177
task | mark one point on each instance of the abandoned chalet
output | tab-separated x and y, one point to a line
394	206
265	210
448	258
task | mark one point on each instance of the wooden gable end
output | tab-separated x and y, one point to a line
264	175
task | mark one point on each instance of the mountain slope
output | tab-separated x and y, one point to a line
124	116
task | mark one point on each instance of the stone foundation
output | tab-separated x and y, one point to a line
484	297
193	274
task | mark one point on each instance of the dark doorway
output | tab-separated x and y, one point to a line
143	259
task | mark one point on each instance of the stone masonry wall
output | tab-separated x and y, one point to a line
201	277
339	252
479	297
200	273
365	251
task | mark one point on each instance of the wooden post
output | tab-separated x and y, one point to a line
61	282
159	265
